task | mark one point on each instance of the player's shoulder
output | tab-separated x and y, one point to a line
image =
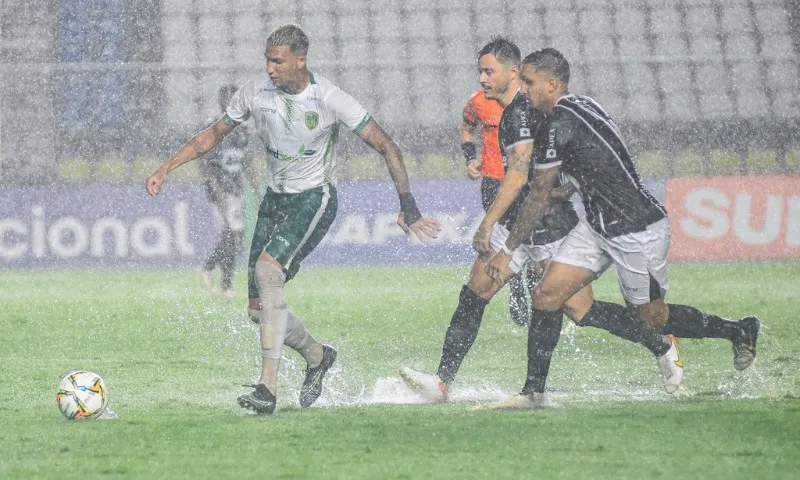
257	86
323	84
520	110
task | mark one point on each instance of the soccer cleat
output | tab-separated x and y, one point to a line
428	386
312	384
521	401
260	400
671	366
744	348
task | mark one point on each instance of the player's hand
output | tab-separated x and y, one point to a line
422	228
496	266
481	241
154	181
474	169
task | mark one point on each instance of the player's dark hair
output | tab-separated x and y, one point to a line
291	36
503	49
224	95
551	60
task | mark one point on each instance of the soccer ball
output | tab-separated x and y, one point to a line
82	395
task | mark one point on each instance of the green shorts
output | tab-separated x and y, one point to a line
289	227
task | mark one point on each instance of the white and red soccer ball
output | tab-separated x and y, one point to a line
82	395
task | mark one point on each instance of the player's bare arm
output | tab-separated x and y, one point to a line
530	215
564	192
199	145
515	178
466	135
410	217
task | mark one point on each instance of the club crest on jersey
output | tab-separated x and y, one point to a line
312	120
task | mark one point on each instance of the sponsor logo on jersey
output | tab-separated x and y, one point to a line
551	153
524	132
312	120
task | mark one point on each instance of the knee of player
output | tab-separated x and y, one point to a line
546	298
269	274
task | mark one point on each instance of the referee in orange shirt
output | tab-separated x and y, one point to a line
483	115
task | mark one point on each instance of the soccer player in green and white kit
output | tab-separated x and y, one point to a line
297	116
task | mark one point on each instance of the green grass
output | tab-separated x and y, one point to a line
174	358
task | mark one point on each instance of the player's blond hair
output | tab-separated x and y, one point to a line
291	36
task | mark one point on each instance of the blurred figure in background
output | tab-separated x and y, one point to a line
224	170
482	114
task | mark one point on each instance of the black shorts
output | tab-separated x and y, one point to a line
489	188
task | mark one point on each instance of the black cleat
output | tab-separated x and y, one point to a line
260	400
744	348
312	385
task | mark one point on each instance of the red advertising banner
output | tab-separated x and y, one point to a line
734	218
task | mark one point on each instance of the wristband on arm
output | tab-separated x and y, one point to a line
408	206
470	153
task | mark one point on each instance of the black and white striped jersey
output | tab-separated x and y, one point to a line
583	139
519	125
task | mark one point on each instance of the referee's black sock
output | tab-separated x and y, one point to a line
461	333
617	320
688	322
543	334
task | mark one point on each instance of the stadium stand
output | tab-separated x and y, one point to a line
667	70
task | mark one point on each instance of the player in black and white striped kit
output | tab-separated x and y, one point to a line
625	226
224	172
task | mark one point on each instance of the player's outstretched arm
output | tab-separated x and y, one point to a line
194	148
516	176
410	217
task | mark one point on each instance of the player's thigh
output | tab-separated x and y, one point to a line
578	305
481	283
560	282
310	216
640	260
288	228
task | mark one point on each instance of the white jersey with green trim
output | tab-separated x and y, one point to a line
298	131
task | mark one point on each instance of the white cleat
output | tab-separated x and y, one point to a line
520	401
428	386
671	367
